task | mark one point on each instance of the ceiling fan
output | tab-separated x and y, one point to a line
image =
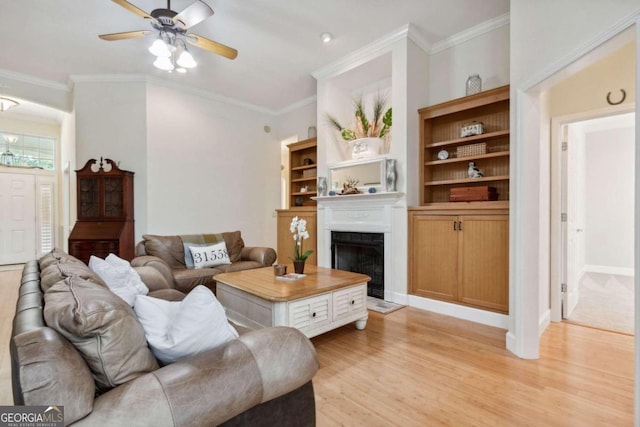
172	29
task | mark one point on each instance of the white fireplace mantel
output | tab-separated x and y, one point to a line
366	213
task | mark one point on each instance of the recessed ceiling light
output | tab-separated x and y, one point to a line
326	37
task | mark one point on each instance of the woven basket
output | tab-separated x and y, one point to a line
472	149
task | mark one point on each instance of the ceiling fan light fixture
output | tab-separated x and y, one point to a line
164	63
185	59
160	49
326	37
181	70
6	103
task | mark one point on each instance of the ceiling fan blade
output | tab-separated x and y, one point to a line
131	8
126	35
195	13
211	46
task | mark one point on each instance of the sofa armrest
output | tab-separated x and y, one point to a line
213	386
263	255
152	278
158	264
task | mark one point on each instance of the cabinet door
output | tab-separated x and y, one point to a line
347	302
434	256
484	261
310	313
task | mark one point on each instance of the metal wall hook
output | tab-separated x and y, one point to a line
624	96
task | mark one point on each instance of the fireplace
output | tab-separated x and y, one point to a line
360	253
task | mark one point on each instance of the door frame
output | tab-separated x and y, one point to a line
557	251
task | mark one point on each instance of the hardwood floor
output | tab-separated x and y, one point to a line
416	368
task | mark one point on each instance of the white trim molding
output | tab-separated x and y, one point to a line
471	33
484	317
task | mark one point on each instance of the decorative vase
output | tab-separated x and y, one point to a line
363	148
322	186
391	175
298	267
474	84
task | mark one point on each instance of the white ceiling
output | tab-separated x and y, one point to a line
278	40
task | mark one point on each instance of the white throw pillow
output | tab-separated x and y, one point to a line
210	256
119	276
177	329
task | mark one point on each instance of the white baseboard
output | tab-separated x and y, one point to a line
544	321
460	311
607	269
399	298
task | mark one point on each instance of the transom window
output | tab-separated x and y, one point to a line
27	150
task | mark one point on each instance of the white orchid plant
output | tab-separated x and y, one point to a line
299	230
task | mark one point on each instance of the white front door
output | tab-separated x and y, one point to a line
17	218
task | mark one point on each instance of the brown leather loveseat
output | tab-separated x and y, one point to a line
167	255
74	343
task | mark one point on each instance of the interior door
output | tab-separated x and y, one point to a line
17	218
573	160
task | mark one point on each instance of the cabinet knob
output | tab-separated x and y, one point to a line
313	314
353	302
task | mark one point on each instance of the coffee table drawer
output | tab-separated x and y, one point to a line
349	301
310	312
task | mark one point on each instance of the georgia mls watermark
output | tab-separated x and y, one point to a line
31	416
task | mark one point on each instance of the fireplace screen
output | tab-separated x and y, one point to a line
360	253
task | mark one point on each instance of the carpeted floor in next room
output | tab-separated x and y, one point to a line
606	301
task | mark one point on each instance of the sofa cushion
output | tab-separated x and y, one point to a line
234	242
102	327
64	268
54	256
168	248
177	329
119	276
209	256
186	279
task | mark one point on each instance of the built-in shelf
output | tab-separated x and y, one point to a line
469	180
468	139
467	159
440	129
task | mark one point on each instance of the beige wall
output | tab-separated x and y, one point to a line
587	89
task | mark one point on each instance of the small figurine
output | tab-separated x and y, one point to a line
350	187
473	171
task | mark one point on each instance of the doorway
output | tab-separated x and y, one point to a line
598	222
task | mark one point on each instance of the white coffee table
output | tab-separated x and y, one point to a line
323	300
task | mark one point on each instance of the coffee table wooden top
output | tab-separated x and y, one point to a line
262	283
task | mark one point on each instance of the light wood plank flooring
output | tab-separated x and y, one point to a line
415	368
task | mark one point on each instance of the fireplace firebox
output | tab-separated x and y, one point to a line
360	253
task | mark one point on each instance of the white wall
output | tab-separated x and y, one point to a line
111	123
211	167
296	122
609	194
545	36
486	55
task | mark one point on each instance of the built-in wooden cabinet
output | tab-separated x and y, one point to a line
105	212
302	173
302	187
459	251
460	258
441	133
285	238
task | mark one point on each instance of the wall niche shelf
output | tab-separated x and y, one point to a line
440	129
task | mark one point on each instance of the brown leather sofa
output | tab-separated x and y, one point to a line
167	255
263	378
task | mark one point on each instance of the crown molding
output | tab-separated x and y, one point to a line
471	33
24	78
370	51
107	78
297	105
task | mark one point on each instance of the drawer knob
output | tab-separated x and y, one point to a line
353	302
313	314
